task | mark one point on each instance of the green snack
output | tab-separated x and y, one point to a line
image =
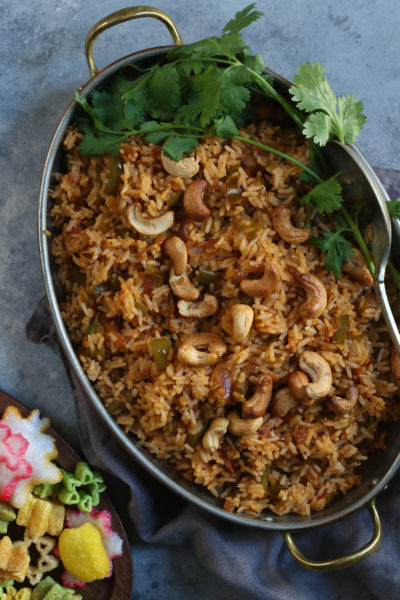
83	473
3	526
70	482
7	513
82	488
48	589
68	497
4	586
85	503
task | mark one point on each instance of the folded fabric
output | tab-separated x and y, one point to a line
254	560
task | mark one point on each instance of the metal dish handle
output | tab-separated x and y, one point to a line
343	561
120	16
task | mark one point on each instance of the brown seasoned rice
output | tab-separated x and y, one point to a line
117	300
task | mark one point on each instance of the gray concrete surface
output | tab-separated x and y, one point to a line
42	62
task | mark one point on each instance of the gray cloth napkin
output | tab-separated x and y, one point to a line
255	561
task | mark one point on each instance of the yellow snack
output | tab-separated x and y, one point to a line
12	594
83	554
14	560
41	516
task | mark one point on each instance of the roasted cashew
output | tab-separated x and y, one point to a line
185	168
282	401
193	200
320	373
176	249
316	300
284	228
242	320
188	351
395	363
147	226
259	402
297	383
239	427
357	269
342	406
198	310
261	287
215	433
181	286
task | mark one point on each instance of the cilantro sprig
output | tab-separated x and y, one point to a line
204	89
328	117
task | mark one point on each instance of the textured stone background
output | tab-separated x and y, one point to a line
42	62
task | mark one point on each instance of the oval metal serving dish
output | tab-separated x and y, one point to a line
381	465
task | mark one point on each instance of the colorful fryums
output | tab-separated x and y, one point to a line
31	483
88	534
31	454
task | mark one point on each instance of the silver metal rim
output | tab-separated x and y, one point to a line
265	522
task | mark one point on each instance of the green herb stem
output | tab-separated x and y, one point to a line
359	239
278	153
272	93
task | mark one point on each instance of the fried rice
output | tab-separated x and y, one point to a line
118	301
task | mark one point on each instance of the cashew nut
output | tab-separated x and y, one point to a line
320	373
259	402
297	383
188	351
239	427
395	363
185	168
342	406
284	228
316	300
146	226
242	320
193	200
266	285
198	310
176	249
182	287
215	433
282	402
356	267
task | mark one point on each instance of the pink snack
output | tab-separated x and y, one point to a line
13	464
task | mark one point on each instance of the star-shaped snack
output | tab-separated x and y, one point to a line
39	453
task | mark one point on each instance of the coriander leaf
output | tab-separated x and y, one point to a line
254	62
329	117
232	44
337	249
226	127
97	143
318	128
135	108
109	108
176	147
93	114
242	19
311	91
164	89
153	131
326	196
207	48
352	119
204	97
234	94
393	207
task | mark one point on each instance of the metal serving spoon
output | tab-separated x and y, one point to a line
361	182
